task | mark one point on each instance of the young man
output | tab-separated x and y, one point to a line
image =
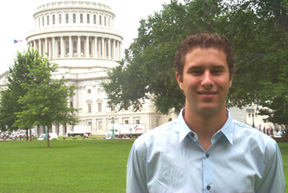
205	150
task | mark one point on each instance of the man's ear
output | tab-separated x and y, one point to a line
179	80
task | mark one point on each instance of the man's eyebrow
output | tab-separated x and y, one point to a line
195	68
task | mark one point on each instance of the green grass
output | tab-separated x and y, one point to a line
70	165
67	166
284	152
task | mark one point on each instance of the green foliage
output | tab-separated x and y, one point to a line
257	30
37	99
17	75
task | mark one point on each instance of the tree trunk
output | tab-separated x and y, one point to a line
26	136
30	134
48	140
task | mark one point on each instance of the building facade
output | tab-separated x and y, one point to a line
79	35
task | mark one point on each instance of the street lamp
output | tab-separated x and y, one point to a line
113	130
253	113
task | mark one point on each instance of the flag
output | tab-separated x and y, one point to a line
16	41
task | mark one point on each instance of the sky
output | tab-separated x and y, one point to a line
16	20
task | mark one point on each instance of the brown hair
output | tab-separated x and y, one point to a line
203	40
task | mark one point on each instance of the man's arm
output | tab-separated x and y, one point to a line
136	172
273	176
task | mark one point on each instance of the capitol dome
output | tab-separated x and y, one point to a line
70	31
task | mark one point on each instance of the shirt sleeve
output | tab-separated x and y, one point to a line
136	172
273	176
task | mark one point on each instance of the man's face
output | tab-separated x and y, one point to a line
205	80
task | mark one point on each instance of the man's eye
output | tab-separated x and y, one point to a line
198	72
216	71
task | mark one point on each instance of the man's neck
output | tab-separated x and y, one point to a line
205	125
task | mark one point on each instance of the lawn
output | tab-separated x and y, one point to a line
67	166
70	165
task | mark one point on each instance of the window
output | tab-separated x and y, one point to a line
94	19
47	19
89	91
42	21
82	47
88	18
74	18
100	20
67	18
99	107
59	48
53	18
81	18
99	124
74	47
60	18
89	108
90	48
136	120
107	50
67	47
105	21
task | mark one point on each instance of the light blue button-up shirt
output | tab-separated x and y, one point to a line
170	159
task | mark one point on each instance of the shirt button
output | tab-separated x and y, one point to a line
208	187
192	135
207	155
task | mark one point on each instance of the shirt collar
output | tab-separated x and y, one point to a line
227	129
184	130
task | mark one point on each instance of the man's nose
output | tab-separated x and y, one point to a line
207	81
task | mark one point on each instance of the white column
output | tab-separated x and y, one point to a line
120	48
70	46
40	47
114	49
34	44
79	47
109	49
87	46
62	46
96	48
103	44
46	47
50	48
53	48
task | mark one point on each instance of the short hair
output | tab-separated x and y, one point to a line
203	40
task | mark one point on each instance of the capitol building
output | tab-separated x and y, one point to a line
80	36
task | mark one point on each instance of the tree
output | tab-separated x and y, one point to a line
47	100
147	69
256	29
17	75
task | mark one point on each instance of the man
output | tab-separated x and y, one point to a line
204	150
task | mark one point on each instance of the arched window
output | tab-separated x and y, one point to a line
88	18
47	19
74	18
81	18
53	18
94	19
60	18
67	18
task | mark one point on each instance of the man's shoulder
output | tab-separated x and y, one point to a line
160	134
246	134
